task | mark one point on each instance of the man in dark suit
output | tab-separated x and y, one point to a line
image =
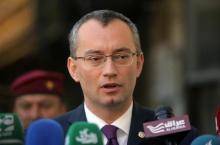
106	59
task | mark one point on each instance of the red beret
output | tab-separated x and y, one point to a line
38	82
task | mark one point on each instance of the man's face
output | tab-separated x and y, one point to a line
108	84
35	106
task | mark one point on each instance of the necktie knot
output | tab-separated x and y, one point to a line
110	131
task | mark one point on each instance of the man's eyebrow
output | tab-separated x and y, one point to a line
123	49
93	52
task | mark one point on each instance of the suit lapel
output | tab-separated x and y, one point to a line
78	114
139	116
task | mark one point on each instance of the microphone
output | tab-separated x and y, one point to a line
164	112
170	128
206	140
11	130
217	121
45	132
81	133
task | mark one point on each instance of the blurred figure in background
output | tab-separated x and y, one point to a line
38	94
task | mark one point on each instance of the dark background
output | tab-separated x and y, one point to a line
43	44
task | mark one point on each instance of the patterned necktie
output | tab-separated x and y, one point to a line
110	132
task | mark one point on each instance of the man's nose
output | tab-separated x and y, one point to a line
109	69
35	113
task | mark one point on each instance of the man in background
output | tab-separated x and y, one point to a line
38	94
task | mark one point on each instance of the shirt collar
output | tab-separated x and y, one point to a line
123	122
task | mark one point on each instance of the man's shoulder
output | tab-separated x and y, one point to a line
145	113
66	119
72	115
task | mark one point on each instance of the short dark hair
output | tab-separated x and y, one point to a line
105	17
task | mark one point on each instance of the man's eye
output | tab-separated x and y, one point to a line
24	106
121	56
46	104
94	58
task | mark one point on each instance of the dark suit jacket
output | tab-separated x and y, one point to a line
139	116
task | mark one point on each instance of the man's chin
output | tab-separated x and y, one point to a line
112	103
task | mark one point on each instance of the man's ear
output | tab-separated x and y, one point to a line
72	68
140	63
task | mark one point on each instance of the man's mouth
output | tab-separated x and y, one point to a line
110	85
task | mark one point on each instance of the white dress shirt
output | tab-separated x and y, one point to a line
123	124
